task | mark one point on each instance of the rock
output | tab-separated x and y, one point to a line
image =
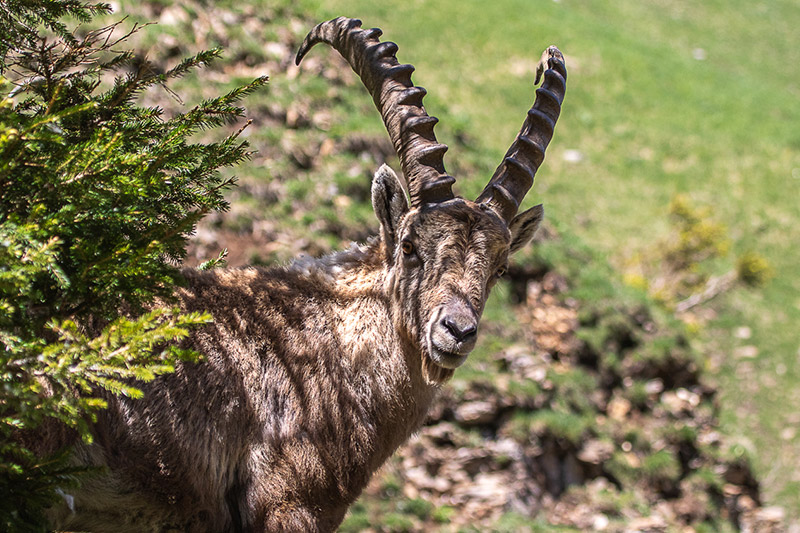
572	156
692	507
654	387
770	515
596	452
476	413
600	522
419	477
647	524
554	283
764	520
489	486
690	398
746	352
297	115
672	403
618	408
441	434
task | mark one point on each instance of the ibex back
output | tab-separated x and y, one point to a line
315	373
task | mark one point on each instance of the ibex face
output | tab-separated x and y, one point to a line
448	258
443	260
442	253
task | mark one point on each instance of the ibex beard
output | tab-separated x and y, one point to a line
315	373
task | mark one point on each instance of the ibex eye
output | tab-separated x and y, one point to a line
407	247
500	272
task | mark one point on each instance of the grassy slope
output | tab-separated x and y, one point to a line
651	121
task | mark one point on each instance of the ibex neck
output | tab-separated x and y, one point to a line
384	366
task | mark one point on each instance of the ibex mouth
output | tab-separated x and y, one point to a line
452	332
447	359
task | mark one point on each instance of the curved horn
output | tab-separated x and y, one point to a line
397	99
514	177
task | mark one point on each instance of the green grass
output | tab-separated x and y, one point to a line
651	120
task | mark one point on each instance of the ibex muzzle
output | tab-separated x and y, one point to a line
315	373
453	332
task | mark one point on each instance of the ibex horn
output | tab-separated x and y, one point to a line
397	99
514	177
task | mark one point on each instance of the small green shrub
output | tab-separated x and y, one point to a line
573	389
661	465
391	486
396	523
357	519
443	514
564	425
417	507
512	522
682	270
753	269
698	237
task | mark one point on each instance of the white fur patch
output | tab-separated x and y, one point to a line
333	264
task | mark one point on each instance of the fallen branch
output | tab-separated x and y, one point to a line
714	287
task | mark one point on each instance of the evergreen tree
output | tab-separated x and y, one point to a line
97	198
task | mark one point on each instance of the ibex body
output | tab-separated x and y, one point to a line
315	373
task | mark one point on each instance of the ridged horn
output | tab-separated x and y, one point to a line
514	177
397	99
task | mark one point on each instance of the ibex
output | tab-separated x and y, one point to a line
314	373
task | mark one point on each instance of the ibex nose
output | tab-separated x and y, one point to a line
461	327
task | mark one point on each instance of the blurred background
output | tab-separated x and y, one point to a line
641	361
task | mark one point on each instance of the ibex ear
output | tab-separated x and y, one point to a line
390	204
524	227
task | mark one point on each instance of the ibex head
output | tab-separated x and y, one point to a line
443	253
